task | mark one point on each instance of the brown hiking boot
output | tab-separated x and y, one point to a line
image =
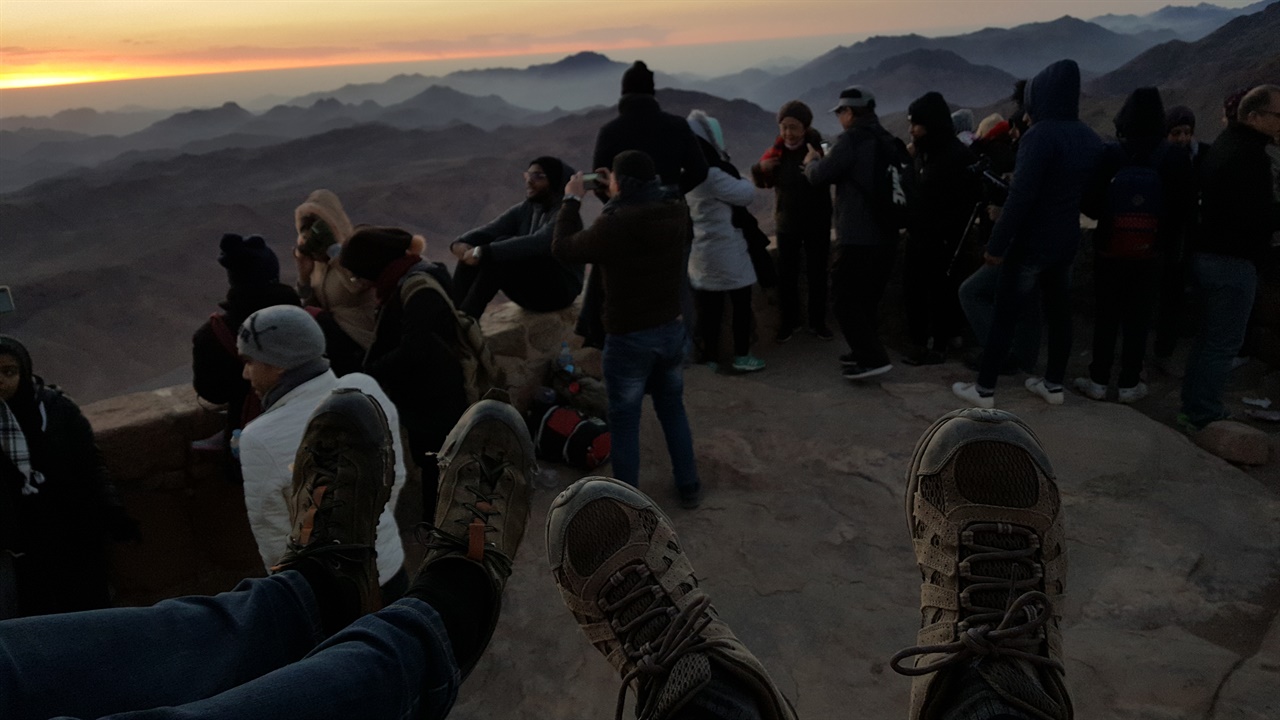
483	504
984	515
620	569
342	478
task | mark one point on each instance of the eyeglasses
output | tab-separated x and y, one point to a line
535	175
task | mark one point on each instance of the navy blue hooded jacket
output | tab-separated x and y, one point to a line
1057	157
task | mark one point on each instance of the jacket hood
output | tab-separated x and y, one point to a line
326	206
558	173
931	111
707	129
1054	94
1142	115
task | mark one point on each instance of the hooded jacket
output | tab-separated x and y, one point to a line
641	125
946	190
718	259
329	287
1057	159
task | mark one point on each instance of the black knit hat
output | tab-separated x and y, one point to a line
798	110
635	164
637	79
1179	115
248	260
931	111
371	249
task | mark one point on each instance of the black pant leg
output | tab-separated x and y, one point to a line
742	319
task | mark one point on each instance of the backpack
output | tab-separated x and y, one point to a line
893	189
1135	201
569	436
480	372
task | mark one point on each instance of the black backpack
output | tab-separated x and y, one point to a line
1135	202
893	191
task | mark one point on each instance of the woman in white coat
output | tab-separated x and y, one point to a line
719	266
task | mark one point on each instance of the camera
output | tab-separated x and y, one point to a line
591	181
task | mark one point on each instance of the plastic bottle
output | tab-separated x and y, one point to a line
565	359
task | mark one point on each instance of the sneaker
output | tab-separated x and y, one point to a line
747	363
483	505
1090	389
857	372
848	360
969	393
1037	386
983	511
785	333
822	331
1133	394
622	573
342	478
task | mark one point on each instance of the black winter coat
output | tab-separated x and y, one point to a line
641	125
1238	209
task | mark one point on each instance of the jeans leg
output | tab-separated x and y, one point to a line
978	300
742	319
817	261
666	383
1055	294
627	365
99	662
1016	283
394	664
918	286
1225	288
789	280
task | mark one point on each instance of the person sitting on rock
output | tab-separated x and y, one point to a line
217	370
415	351
283	348
512	253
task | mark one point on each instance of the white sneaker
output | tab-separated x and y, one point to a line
1036	385
1090	389
969	393
1133	394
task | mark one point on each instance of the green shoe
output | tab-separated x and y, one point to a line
747	363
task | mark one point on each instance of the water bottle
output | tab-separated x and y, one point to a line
235	443
565	359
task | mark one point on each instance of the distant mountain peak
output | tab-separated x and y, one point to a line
586	60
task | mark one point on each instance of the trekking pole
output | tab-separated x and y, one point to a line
968	227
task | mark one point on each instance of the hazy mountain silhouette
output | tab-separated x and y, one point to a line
1242	53
1189	22
87	121
120	261
1021	51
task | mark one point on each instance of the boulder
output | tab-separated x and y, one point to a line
1235	442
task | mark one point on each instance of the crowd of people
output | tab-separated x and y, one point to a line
372	369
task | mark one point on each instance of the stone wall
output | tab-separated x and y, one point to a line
195	534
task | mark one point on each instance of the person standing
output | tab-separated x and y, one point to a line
1035	240
1239	213
802	221
867	244
638	244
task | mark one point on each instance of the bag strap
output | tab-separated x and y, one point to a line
222	331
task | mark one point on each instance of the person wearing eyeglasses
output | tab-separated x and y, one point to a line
1239	213
512	253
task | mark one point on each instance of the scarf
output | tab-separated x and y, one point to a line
294	377
14	443
389	280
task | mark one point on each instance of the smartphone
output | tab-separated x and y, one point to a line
591	181
826	148
6	300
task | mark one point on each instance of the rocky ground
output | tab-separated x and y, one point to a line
1174	581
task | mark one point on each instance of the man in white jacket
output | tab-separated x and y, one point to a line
283	349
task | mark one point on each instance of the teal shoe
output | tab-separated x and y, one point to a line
747	363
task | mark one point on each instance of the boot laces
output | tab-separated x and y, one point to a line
1014	631
471	538
654	656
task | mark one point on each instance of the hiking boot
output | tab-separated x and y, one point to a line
983	511
1038	386
970	393
1090	389
342	478
620	569
1133	394
483	504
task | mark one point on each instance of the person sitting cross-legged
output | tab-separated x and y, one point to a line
512	253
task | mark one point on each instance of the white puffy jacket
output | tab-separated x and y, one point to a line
268	446
718	259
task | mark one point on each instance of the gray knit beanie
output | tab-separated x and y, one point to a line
284	336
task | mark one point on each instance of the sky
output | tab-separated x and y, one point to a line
52	52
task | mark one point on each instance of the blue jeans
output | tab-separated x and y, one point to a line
978	300
255	652
1016	290
649	361
1225	288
